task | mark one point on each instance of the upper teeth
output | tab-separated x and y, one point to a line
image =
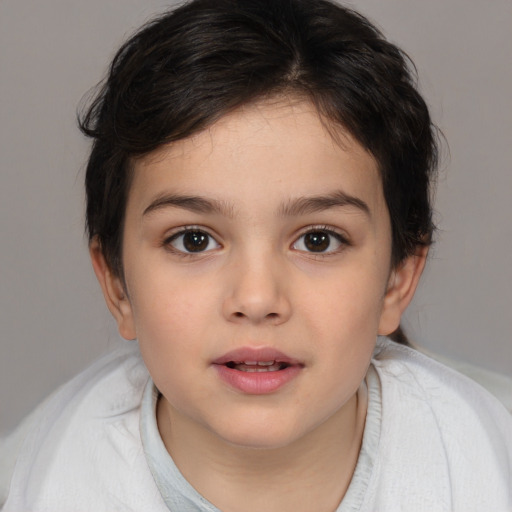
259	363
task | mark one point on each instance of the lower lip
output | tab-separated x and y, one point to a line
257	383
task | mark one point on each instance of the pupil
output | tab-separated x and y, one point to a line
317	242
195	241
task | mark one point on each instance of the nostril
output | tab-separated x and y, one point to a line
238	314
272	315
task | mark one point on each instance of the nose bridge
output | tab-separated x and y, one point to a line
258	290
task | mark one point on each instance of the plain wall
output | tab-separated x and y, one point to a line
51	311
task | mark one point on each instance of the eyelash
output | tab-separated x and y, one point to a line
324	230
331	233
168	242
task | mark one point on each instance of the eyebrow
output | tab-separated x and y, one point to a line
292	208
195	204
305	205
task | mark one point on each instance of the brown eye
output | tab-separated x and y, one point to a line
320	241
317	241
193	241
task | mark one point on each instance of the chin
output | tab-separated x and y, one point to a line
259	436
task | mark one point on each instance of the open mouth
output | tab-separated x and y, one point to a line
257	370
257	366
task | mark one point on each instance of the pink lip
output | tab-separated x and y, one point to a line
255	354
257	383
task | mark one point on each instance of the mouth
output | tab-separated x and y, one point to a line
257	366
257	371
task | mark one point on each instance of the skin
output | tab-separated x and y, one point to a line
257	283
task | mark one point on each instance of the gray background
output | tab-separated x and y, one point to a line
52	315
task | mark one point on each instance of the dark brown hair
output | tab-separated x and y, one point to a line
189	67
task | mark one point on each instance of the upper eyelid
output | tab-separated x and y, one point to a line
328	229
180	230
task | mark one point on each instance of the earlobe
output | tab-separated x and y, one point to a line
113	290
402	285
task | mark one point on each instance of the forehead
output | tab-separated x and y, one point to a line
274	150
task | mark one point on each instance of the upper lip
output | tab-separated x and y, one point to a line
257	354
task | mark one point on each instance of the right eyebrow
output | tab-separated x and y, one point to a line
195	204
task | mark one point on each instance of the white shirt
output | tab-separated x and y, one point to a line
433	441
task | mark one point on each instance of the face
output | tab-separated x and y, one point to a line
257	274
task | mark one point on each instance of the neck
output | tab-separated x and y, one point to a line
311	473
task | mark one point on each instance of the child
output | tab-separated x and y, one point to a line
259	214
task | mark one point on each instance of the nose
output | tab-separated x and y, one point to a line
257	291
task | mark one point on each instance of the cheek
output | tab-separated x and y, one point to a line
168	328
346	327
350	301
160	311
345	324
159	294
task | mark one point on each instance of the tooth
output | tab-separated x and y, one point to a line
266	363
259	370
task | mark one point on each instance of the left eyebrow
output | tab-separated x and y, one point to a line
305	205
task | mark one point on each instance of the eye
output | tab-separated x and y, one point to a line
320	241
192	241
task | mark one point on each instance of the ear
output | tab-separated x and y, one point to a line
113	291
402	284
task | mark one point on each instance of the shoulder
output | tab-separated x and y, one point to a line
434	417
77	432
417	374
499	385
104	388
